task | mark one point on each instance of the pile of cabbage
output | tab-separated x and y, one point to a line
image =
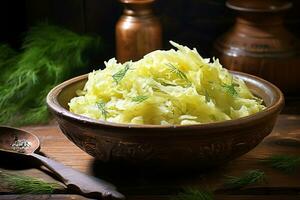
176	87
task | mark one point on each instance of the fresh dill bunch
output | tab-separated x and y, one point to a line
247	178
28	185
194	194
118	76
284	163
101	107
140	98
50	55
35	115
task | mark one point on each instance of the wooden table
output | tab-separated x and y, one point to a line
138	184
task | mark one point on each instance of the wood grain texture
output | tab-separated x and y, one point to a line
139	184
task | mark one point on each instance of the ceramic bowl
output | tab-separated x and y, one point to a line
201	145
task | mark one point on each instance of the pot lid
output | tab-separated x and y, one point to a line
259	5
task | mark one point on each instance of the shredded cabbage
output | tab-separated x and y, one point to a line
165	87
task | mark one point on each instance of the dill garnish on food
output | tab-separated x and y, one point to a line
207	97
101	107
230	89
140	98
176	85
120	74
178	72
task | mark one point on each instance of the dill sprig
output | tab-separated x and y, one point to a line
28	185
101	107
194	194
166	84
50	55
230	88
247	178
231	182
140	98
178	72
118	76
207	97
285	163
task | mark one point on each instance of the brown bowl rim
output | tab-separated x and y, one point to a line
275	107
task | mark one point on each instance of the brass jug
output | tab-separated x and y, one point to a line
138	31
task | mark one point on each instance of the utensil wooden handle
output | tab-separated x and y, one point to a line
86	185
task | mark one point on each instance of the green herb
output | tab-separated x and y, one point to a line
207	97
178	72
157	89
285	163
139	98
101	106
231	182
229	89
27	185
247	178
120	74
166	84
194	194
50	55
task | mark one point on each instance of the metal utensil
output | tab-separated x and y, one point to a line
18	141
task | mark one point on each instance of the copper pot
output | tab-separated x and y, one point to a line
138	31
259	44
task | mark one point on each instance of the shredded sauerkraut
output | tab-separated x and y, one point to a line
165	87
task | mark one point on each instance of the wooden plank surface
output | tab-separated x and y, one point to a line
139	184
